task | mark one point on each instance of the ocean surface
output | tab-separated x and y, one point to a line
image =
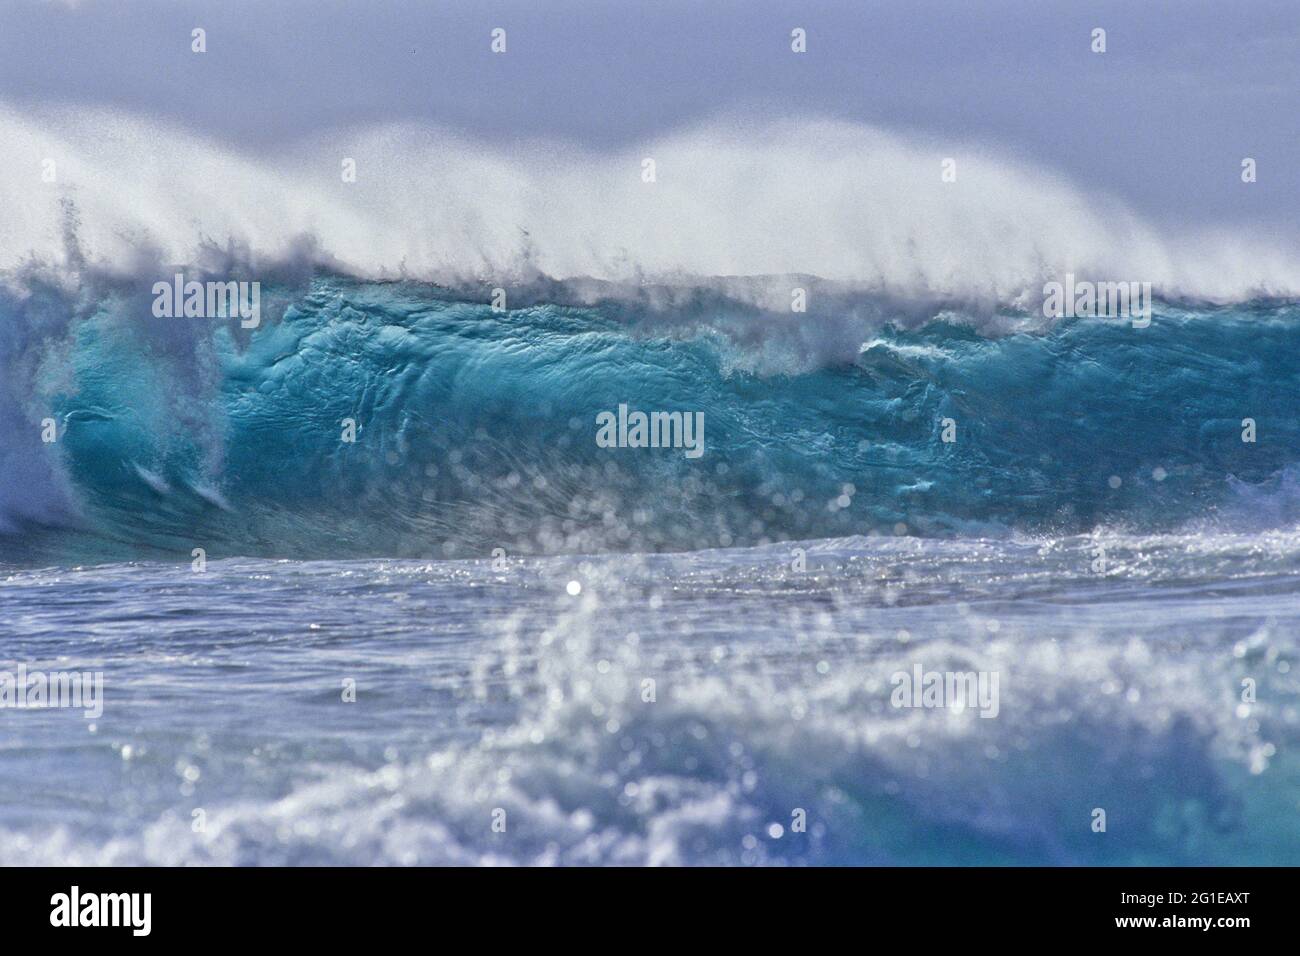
481	690
472	635
364	587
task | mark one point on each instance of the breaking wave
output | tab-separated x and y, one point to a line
476	428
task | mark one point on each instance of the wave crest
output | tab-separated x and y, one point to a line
844	202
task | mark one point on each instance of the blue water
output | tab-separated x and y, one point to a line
1098	535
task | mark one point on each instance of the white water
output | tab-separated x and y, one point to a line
841	201
482	688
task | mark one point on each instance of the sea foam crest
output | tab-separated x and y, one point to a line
842	201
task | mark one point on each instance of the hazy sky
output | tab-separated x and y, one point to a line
1162	119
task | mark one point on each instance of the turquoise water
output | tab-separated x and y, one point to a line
476	430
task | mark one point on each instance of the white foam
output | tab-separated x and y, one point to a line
831	199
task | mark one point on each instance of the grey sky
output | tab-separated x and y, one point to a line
1162	119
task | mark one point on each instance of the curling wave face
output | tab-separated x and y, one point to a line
477	429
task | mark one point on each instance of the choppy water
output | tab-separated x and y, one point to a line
920	472
481	688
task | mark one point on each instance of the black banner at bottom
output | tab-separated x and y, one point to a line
337	906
